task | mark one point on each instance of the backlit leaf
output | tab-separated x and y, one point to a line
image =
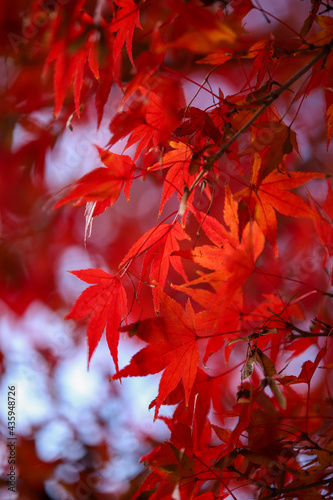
106	304
172	347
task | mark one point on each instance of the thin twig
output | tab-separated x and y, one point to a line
267	101
281	491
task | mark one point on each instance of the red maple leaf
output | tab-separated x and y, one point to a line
178	161
308	369
151	117
70	64
158	244
172	347
324	222
102	185
271	313
126	19
222	326
106	304
263	53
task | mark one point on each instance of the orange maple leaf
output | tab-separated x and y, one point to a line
204	31
231	265
273	194
231	268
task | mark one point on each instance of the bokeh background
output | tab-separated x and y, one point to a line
81	436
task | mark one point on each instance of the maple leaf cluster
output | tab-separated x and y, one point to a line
224	290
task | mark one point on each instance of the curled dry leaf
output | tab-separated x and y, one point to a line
265	363
257	356
249	364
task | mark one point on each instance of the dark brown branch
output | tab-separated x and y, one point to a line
281	491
